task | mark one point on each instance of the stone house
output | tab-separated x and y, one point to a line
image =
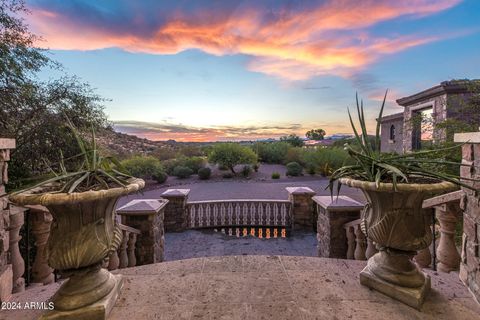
401	133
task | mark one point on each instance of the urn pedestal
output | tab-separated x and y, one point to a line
82	236
396	222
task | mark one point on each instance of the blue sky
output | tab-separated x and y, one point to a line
233	70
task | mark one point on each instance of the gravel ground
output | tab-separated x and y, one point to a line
207	243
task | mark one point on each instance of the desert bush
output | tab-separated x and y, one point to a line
231	154
256	166
222	168
182	172
295	155
164	153
194	163
275	175
204	173
294	169
159	175
246	170
275	152
227	175
311	170
142	167
191	151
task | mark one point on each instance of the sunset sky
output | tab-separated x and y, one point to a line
235	70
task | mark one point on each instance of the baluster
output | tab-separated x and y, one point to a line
123	250
41	220
132	260
350	242
371	249
360	247
18	264
113	261
447	254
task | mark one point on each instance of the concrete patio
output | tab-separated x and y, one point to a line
265	287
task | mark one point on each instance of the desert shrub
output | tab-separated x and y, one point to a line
246	170
294	169
275	175
204	173
159	175
164	153
275	152
194	163
182	172
295	155
191	151
231	154
222	168
227	175
141	167
311	170
293	140
256	166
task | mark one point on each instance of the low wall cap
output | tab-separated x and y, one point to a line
338	203
142	206
176	192
7	143
300	190
469	137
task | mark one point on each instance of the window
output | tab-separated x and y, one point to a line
392	132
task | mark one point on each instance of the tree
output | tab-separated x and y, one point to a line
231	154
32	111
293	140
315	134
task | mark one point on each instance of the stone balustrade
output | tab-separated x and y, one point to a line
302	207
333	213
230	213
125	257
448	213
175	211
359	247
17	219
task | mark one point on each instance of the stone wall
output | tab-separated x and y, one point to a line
6	272
386	144
302	207
146	215
175	211
470	257
332	215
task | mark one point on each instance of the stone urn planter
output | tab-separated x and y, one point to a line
395	221
82	235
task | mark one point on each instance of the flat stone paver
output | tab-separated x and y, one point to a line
196	244
265	287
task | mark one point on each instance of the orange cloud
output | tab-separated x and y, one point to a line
330	38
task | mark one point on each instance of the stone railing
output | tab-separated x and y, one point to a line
125	257
446	210
231	213
359	247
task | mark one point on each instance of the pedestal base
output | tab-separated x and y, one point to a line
413	297
96	311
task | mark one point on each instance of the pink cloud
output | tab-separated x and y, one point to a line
331	38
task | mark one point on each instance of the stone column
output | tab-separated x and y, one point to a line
175	211
147	216
333	213
17	219
302	207
6	272
40	221
470	203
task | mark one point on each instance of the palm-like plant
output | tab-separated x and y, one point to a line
372	165
96	172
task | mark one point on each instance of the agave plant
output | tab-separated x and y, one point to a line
372	165
96	172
